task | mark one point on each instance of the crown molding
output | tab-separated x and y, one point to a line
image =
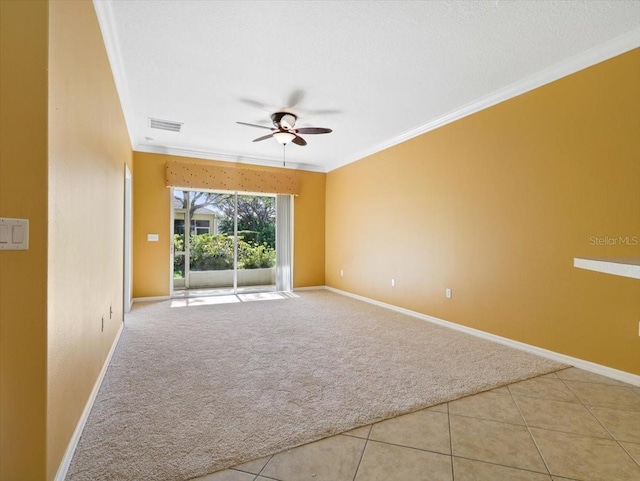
106	20
224	157
592	56
588	58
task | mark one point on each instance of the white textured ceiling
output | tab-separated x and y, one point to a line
376	72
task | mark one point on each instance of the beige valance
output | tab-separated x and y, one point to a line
213	177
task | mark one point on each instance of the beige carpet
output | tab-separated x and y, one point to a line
192	390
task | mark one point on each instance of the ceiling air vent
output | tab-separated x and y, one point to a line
165	125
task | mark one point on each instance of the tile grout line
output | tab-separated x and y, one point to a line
408	447
556	430
526	424
514	468
364	448
490	420
244	472
600	422
453	473
262	476
632	458
450	441
264	467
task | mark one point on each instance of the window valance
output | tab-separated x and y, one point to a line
213	177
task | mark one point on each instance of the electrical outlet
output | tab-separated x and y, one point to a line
447	292
341	273
393	283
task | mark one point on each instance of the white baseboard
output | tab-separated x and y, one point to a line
555	356
73	443
150	299
573	361
310	288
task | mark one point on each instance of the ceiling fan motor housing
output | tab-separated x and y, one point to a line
284	120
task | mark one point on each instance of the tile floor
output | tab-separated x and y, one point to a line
570	425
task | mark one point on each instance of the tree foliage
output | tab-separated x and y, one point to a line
256	213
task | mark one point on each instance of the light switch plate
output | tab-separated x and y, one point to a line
14	234
152	237
5	234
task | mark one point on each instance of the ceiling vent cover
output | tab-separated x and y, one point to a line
165	125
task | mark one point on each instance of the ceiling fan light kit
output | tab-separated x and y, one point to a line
284	137
284	129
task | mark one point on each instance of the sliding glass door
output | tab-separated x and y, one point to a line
223	242
256	242
202	255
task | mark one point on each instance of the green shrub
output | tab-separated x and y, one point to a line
255	256
249	236
215	252
178	242
178	261
211	252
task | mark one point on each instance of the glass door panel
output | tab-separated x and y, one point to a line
256	224
179	252
223	242
211	250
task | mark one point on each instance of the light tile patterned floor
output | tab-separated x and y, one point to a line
570	425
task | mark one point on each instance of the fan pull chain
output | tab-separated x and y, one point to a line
284	155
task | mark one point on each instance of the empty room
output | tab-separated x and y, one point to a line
319	240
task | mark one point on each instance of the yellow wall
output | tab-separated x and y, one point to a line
151	213
496	206
151	207
23	274
308	230
88	149
63	151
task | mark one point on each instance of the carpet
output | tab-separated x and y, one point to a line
192	390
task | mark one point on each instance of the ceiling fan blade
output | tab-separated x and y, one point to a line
295	98
264	137
299	141
255	125
320	112
313	130
256	104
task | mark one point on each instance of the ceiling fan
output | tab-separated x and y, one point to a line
285	131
